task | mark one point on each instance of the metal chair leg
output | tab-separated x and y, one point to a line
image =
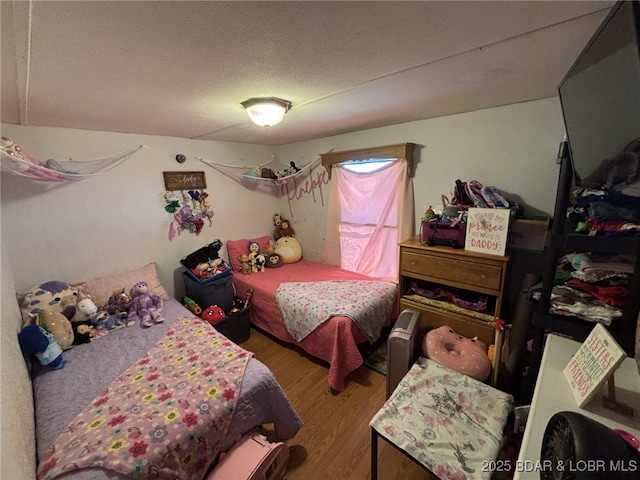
374	454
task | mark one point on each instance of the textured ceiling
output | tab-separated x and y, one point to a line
182	68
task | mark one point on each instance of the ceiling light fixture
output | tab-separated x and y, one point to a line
267	111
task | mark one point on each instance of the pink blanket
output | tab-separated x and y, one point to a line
163	417
335	341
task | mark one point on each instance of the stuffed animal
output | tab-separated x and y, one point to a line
53	296
277	220
289	249
274	260
119	303
82	332
257	262
145	305
271	246
103	320
283	230
36	342
464	355
57	325
245	264
213	314
85	308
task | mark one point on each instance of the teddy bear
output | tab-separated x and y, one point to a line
245	264
35	341
145	305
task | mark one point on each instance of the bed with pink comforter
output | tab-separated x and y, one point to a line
335	341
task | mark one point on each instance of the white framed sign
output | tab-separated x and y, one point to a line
487	230
591	366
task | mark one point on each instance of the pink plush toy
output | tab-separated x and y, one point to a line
145	305
464	355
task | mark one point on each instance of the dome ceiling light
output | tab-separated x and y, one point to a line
267	111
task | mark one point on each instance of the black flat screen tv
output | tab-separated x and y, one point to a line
600	95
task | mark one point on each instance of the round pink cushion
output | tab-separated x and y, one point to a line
464	355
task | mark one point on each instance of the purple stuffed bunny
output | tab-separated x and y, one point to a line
145	305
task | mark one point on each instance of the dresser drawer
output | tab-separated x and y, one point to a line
452	270
431	318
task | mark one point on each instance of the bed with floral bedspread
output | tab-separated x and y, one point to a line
153	402
335	339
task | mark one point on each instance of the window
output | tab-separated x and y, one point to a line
370	210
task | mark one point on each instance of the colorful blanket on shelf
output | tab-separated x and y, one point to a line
163	417
306	305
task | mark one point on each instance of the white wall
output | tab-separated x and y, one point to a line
513	148
17	449
116	220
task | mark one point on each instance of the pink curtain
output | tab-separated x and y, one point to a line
368	214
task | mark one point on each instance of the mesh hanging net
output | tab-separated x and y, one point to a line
268	173
17	161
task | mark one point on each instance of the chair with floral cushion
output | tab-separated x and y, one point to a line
447	422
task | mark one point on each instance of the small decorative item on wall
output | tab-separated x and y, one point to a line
190	209
184	180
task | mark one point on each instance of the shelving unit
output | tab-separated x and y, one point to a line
562	241
443	266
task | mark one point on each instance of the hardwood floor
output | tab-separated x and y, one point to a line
335	441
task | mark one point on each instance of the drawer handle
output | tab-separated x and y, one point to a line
483	276
413	264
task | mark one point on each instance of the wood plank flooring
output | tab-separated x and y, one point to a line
335	441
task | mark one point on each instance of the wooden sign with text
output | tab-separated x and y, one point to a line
487	230
593	363
184	180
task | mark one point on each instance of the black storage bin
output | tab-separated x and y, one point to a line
218	291
235	326
205	254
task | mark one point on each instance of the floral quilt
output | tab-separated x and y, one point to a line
306	305
163	417
449	422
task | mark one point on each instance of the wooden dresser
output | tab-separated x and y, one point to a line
440	268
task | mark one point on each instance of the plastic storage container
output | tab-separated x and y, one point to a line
217	291
235	326
203	255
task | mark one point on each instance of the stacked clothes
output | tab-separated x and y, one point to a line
605	212
589	286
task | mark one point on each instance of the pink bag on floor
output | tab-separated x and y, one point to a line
253	457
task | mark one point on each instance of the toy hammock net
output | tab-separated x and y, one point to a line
268	173
17	161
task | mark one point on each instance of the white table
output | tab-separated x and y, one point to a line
552	395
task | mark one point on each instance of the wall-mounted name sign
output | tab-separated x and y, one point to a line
184	180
